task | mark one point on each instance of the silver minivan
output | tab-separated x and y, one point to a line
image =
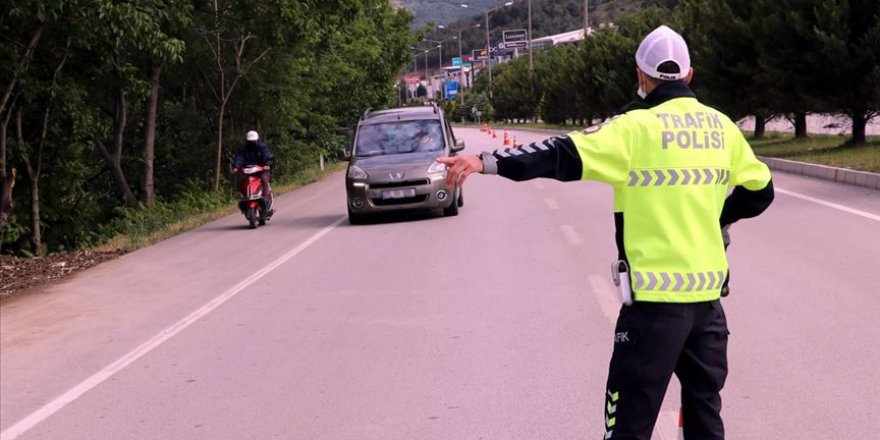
392	163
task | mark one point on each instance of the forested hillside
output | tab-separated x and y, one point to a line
548	18
115	108
823	60
547	15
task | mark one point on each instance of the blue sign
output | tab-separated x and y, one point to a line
450	89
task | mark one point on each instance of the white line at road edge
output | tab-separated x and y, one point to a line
83	387
864	214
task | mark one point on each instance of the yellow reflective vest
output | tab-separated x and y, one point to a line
671	167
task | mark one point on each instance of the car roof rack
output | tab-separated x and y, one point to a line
367	112
435	107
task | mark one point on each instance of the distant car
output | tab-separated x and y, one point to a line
392	163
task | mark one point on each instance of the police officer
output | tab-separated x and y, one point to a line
671	162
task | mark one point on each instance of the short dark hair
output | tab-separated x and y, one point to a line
669	67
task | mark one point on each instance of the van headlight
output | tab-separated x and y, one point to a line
356	172
437	167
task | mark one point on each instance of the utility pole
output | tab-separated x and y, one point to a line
426	74
531	64
442	75
586	17
460	72
488	53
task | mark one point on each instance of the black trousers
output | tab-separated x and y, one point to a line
651	342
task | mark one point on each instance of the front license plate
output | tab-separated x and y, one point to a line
398	194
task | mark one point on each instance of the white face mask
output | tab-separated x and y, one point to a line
641	92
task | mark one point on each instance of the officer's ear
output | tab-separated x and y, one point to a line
689	76
640	76
642	79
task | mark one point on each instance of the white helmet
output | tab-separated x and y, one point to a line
253	136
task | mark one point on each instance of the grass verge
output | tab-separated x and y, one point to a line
144	228
821	149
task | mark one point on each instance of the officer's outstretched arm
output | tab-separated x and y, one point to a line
554	158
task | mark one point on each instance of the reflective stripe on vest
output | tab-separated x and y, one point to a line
671	167
681	176
678	281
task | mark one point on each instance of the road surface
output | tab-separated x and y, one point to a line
496	324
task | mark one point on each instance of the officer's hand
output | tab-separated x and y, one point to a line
459	167
725	235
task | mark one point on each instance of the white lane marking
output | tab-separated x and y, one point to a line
83	387
864	214
551	203
606	296
571	235
538	184
666	427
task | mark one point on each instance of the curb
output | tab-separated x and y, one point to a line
834	174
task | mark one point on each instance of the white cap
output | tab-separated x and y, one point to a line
661	45
253	136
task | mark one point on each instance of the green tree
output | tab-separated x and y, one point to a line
81	81
847	50
22	25
514	91
231	33
787	62
557	70
724	53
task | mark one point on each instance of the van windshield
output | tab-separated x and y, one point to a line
399	137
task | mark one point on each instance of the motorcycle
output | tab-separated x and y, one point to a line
251	203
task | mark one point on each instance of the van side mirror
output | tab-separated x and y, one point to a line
343	154
459	145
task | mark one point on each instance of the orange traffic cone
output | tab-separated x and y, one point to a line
485	127
494	135
506	138
514	142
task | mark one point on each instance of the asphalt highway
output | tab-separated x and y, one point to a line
495	324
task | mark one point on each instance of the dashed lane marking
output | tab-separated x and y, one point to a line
571	235
606	296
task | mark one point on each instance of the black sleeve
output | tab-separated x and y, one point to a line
267	155
742	203
554	158
238	159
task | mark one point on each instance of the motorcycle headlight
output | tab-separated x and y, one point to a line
356	172
437	167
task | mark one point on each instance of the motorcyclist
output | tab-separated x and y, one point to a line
254	152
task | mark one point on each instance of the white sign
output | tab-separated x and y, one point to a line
515	45
516	35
